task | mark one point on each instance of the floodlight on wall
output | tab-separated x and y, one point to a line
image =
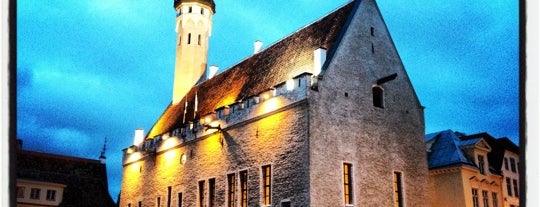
268	94
290	84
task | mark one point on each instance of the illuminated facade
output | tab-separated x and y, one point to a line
468	171
325	117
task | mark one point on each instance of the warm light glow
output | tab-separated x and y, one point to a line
169	143
271	105
208	119
290	84
130	150
133	157
139	136
319	57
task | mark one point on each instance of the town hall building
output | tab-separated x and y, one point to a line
327	116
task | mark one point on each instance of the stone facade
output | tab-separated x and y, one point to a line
307	126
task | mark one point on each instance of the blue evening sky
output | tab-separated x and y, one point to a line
102	68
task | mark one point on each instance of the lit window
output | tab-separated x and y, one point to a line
513	164
398	190
267	190
243	188
51	195
212	192
347	183
378	97
506	163
201	193
20	192
34	193
485	198
509	186
481	167
475	197
231	184
495	199
516	190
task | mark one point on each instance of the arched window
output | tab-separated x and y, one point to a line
378	97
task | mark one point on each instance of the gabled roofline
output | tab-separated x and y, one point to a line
330	55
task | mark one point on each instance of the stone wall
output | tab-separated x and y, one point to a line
346	127
278	138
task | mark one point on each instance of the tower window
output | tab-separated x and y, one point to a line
179	199
190	9
189	38
372	30
199	40
378	97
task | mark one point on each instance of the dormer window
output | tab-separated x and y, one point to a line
481	165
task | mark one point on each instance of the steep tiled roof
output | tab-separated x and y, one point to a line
445	150
281	61
85	179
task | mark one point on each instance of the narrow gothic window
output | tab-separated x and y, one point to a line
158	201
372	48
267	189
372	30
201	193
243	188
189	38
169	189
398	190
231	184
378	97
212	192
199	40
347	183
140	203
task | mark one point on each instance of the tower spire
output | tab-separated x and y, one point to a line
193	28
102	157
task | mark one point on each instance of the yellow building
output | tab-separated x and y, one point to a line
465	171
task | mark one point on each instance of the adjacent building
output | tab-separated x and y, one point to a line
327	116
472	170
45	179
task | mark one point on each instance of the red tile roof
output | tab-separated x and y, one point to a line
281	61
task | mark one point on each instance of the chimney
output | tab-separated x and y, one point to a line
212	70
139	136
258	45
319	57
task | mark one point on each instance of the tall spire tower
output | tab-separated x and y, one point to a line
193	28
